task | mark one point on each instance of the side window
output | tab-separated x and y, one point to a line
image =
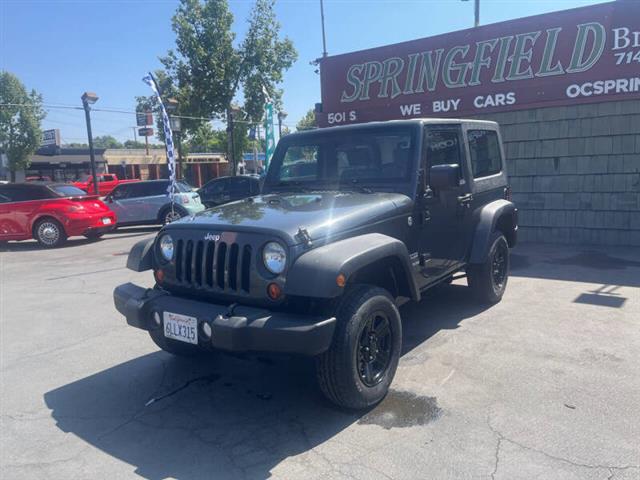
121	192
484	148
107	178
216	188
154	189
4	198
300	163
443	147
239	186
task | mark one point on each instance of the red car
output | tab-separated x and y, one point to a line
106	183
50	213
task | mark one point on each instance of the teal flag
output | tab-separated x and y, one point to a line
269	134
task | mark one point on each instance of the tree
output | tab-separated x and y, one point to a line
106	141
20	133
209	69
133	145
308	121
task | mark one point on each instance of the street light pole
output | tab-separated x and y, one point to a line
90	98
476	12
324	38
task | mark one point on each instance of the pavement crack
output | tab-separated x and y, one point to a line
209	378
502	438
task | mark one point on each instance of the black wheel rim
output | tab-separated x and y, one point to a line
374	349
499	267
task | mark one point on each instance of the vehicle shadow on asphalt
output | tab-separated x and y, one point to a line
224	416
606	266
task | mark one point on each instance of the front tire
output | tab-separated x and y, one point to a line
488	280
356	371
49	233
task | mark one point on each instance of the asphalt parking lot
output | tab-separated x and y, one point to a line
545	384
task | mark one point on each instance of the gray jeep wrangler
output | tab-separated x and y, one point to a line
352	221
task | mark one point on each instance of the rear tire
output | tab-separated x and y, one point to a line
173	347
488	280
356	371
49	233
167	215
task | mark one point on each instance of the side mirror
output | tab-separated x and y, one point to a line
444	177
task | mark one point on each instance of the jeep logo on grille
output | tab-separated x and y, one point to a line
212	237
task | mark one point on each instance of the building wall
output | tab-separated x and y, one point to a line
575	172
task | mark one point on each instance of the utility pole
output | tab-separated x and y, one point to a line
324	37
230	142
477	13
476	22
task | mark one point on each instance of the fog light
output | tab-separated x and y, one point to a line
274	291
206	330
157	319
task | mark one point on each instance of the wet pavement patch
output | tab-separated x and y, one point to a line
402	409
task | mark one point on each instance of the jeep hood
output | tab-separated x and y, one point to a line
282	215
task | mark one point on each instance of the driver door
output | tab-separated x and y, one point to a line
444	241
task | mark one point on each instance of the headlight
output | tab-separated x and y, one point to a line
166	247
274	257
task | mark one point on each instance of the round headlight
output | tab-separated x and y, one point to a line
166	247
274	257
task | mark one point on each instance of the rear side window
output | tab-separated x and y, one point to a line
240	185
25	193
484	148
68	191
443	147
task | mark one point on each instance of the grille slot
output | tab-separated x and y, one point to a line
214	266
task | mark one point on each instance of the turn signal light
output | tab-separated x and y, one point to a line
341	280
274	291
159	274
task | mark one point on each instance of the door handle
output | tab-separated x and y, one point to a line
465	200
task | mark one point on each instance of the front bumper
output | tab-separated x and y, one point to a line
239	330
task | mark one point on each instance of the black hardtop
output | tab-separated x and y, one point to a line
359	127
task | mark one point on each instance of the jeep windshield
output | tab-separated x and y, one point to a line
367	159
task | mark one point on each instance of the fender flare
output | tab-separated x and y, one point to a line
487	222
314	273
140	257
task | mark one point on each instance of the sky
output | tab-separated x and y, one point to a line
62	48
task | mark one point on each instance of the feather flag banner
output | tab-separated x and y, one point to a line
168	136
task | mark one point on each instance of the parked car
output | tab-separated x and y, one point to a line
148	202
106	183
318	264
51	213
228	189
37	178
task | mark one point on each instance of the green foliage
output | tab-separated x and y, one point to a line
307	122
20	133
205	139
134	145
106	141
208	68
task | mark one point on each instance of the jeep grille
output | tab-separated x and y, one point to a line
213	265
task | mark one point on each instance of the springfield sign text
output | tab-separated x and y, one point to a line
575	56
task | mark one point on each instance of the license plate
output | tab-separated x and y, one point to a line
181	327
106	221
